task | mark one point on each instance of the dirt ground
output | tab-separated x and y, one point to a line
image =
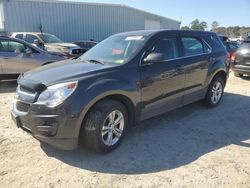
190	147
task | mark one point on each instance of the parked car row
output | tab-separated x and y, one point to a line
127	78
52	43
18	56
23	51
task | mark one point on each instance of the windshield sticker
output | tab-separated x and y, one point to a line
134	38
119	61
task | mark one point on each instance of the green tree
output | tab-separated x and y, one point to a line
203	25
197	25
185	27
214	25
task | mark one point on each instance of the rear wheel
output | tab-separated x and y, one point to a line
105	126
238	75
215	92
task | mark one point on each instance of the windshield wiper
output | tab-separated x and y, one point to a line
96	61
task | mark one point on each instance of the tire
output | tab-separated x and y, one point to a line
238	75
214	92
100	132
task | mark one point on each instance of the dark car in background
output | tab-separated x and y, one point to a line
231	47
240	60
18	56
223	38
49	42
86	44
126	78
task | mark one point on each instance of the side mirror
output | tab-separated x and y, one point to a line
28	51
154	58
37	42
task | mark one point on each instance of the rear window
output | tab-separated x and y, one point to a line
232	46
194	46
19	36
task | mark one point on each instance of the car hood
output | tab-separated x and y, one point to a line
68	45
61	71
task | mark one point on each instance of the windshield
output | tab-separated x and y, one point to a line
48	38
115	49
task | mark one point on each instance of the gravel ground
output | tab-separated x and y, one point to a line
190	147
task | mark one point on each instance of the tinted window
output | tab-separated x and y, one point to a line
11	46
232	46
30	38
193	46
19	36
166	46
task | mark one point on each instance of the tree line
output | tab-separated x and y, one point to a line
231	31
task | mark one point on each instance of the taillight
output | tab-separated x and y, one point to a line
233	58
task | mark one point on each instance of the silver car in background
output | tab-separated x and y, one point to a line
49	42
18	56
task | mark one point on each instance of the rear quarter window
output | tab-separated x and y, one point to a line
194	46
215	43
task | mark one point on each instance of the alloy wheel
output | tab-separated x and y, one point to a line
217	90
113	128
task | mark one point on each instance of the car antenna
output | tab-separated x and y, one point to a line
40	26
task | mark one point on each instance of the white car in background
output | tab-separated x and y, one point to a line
237	39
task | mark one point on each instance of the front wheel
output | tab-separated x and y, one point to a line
215	92
105	126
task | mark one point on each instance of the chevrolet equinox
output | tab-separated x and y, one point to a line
127	78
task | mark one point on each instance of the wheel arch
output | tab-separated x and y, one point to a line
220	73
125	100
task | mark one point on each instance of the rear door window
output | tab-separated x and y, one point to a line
194	46
166	46
11	46
30	38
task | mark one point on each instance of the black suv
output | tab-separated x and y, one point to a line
124	79
240	60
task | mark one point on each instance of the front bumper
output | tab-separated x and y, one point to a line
241	69
48	125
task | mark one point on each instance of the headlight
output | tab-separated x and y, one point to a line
56	94
65	49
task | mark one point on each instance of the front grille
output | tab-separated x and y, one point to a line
77	51
23	107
